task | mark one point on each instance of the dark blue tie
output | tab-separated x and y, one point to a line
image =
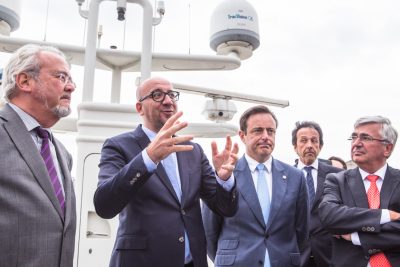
310	183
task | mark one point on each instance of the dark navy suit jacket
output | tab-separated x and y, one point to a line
344	210
319	243
152	220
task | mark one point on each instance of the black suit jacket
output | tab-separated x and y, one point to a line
319	244
152	220
344	210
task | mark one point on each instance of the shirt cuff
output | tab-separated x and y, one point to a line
150	165
228	184
385	216
355	239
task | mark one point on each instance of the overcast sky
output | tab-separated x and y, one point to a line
334	61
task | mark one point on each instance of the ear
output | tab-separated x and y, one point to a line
388	150
139	108
23	82
242	135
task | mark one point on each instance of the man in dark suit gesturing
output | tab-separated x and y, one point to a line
307	140
361	206
37	201
154	180
272	220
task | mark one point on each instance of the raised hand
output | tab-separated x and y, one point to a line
165	143
225	161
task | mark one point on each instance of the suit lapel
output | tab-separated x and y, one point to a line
29	152
321	174
390	184
247	189
183	164
356	188
279	186
160	172
67	182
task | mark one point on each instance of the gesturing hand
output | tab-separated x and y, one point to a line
165	143
224	162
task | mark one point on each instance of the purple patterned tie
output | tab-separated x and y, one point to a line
48	161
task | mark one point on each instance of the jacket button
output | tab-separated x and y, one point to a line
181	239
133	181
183	212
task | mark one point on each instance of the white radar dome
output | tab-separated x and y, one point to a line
9	16
234	29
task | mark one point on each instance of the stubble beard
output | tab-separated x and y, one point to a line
61	111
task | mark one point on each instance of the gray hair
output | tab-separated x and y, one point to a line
25	59
388	132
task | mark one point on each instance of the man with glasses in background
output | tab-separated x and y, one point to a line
154	180
37	200
361	206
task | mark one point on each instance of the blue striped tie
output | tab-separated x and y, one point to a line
51	169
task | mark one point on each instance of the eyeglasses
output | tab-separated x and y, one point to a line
64	79
159	96
365	138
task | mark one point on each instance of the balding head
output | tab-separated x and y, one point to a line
156	102
149	85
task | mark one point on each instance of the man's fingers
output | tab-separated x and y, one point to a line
228	167
180	139
171	121
234	158
228	144
181	148
214	148
235	149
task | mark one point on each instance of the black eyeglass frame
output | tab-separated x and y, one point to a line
174	95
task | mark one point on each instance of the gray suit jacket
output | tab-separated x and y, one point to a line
32	230
242	240
344	210
152	221
319	243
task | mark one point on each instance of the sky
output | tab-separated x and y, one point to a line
334	61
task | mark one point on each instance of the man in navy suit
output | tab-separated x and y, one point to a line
154	180
272	220
307	140
361	206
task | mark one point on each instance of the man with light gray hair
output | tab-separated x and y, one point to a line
361	206
37	200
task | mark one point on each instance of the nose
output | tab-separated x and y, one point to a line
70	86
167	100
265	134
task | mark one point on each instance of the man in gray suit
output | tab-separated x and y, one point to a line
307	140
272	220
37	201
